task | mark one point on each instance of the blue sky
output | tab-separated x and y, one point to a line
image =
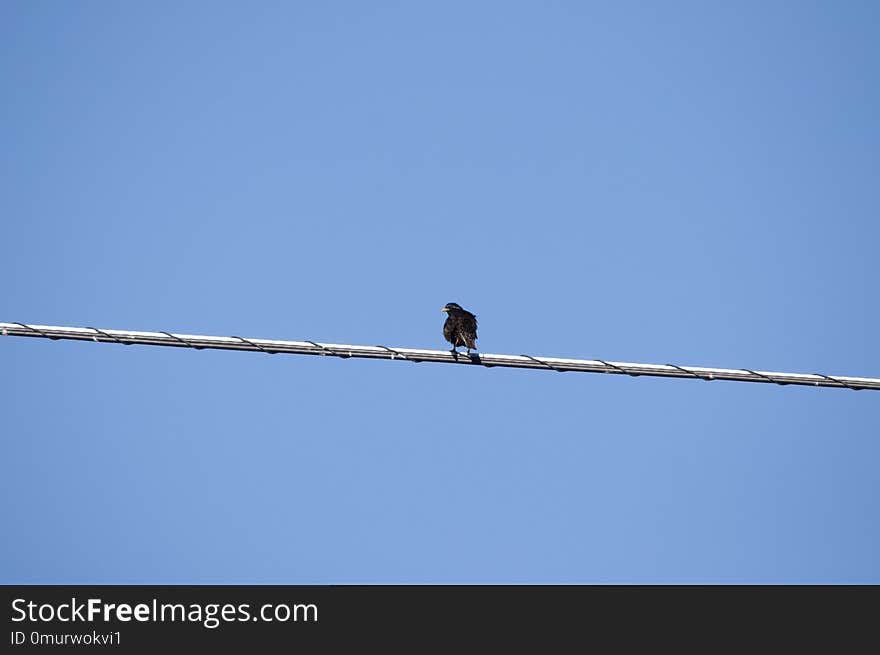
685	182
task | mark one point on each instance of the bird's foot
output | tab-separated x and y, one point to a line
454	354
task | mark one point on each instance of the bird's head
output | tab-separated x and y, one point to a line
452	307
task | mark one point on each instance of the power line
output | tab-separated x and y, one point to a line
274	346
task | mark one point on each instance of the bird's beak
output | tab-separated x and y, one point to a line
445	309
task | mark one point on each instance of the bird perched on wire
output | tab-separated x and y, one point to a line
460	328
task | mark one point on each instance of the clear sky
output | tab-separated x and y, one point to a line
684	182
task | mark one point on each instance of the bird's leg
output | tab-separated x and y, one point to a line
454	353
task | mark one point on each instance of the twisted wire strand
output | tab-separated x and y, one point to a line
183	341
765	377
705	378
329	351
843	383
255	345
545	364
36	331
617	368
202	342
109	336
395	353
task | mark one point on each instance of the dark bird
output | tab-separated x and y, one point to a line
460	328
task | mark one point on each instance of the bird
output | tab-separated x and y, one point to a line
460	328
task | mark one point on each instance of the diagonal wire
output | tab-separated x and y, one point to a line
842	383
183	341
201	342
255	345
37	331
707	378
617	368
766	377
545	364
395	353
329	351
109	336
